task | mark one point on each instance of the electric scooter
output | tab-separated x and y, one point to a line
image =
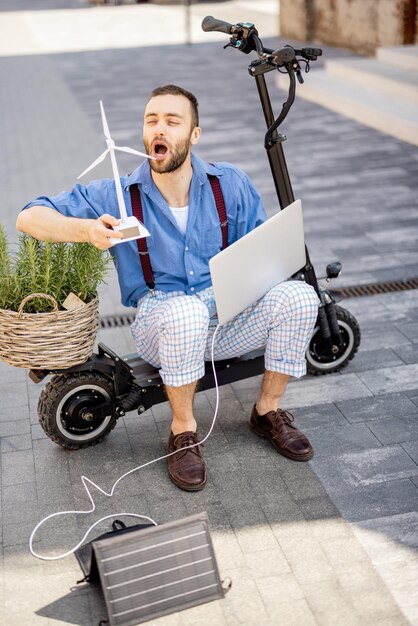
79	406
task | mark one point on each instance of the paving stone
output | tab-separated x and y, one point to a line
38	432
377	407
53	498
283	510
251	448
360	577
247	390
12	413
14	396
16	442
208	497
48	600
331	388
256	539
411	448
311	573
166	509
410	331
376	500
389	380
384	357
17	467
306	559
210	612
379	608
413	396
318	416
41	444
18	427
385	337
345	549
241	514
266	562
378	536
18	534
379	546
341	439
335	530
408	354
355	469
319	508
411	614
19	502
330	603
396	429
218	518
401	577
228	551
243	603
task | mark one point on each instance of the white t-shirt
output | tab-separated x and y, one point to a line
180	215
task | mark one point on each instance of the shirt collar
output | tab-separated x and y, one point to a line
142	174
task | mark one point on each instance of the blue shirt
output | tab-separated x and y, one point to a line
179	262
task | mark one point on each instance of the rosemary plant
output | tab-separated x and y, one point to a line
53	268
5	271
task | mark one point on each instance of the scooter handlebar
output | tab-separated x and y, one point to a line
210	23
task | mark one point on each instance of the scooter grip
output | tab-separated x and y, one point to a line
210	23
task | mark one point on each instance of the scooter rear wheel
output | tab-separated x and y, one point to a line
320	359
63	409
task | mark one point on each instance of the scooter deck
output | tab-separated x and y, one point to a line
227	371
147	377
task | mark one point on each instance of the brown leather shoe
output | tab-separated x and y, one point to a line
278	428
186	469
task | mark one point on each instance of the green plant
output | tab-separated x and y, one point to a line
5	270
53	268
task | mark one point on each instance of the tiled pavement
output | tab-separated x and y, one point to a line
333	541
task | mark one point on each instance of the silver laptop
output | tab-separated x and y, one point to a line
247	269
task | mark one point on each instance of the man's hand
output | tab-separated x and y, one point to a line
100	231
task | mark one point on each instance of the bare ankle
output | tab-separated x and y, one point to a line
183	425
265	407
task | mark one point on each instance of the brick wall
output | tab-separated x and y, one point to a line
361	25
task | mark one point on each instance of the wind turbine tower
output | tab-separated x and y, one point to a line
130	226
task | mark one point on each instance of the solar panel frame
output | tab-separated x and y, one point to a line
158	570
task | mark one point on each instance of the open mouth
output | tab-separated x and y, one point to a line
159	150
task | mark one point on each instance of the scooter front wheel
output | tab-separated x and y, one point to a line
319	356
64	409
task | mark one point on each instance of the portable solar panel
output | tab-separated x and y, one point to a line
158	570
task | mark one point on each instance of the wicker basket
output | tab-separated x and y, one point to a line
53	340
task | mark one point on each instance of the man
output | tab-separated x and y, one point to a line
176	320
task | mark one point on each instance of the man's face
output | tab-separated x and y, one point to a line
168	132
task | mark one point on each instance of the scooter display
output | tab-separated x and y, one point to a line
79	406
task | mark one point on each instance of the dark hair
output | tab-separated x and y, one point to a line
174	90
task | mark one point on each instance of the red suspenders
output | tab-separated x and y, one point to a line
220	207
142	243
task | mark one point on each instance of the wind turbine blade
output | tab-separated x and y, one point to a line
96	162
104	120
132	151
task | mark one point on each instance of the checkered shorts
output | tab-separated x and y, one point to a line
174	331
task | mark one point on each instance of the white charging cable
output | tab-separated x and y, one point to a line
86	481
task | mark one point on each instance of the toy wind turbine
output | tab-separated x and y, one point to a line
130	226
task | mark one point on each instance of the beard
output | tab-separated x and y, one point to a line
177	157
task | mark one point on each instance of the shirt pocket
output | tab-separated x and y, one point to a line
210	241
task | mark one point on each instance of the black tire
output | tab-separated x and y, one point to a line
319	358
62	402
